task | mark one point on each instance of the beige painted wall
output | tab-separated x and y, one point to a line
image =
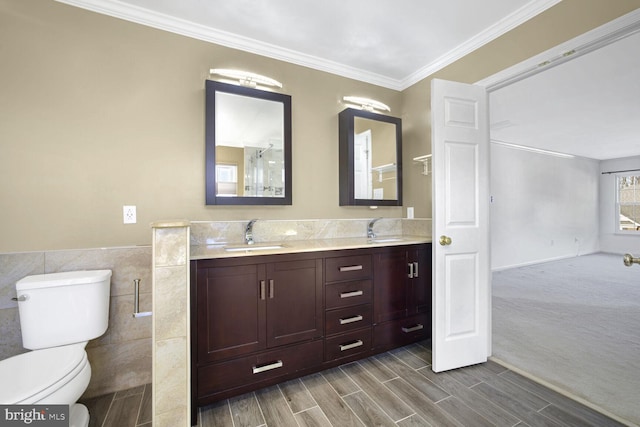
98	113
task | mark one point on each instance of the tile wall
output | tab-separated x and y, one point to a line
171	356
121	358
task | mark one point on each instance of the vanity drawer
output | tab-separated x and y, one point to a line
401	332
347	319
347	294
348	344
348	268
252	369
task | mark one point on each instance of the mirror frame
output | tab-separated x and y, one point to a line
212	87
347	137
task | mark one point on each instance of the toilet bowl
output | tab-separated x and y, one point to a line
57	375
59	313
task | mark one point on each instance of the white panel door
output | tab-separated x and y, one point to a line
461	269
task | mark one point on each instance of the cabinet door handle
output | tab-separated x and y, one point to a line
263	290
351	319
271	288
351	268
408	329
268	367
356	343
415	269
410	270
351	294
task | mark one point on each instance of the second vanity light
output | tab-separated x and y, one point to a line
245	78
366	103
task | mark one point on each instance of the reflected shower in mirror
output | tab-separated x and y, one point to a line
370	159
248	146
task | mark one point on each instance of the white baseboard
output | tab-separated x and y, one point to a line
539	261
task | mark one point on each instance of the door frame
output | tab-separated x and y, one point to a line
591	40
574	48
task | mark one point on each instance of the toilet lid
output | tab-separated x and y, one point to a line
28	374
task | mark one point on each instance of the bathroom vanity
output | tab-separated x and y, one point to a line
262	317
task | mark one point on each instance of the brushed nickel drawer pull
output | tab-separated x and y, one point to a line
356	343
351	319
410	274
351	294
415	269
271	288
351	268
412	328
267	367
263	291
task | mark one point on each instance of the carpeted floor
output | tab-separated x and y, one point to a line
574	323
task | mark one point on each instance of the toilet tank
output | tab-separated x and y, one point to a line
63	308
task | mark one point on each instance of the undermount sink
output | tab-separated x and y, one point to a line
386	240
251	248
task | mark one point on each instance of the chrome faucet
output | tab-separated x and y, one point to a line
248	232
370	233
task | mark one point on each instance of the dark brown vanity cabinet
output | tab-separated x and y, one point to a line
402	296
259	320
254	321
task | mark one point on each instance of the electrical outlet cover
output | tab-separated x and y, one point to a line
129	214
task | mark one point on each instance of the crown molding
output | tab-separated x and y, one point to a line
138	15
508	23
128	12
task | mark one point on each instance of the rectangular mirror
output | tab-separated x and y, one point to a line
248	146
370	159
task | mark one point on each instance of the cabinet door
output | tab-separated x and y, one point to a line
419	294
390	275
294	301
230	310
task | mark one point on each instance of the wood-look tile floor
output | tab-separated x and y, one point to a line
128	408
397	388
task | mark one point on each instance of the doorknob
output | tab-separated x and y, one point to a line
445	240
629	260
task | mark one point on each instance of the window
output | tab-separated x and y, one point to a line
226	180
628	203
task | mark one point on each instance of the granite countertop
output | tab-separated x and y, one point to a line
297	246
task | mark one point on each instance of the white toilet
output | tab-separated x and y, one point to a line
59	314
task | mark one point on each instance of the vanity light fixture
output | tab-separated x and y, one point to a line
245	78
366	103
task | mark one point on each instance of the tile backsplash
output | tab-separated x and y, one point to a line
225	232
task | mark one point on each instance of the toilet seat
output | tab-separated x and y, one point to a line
30	377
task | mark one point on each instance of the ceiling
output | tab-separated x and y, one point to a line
375	41
588	106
